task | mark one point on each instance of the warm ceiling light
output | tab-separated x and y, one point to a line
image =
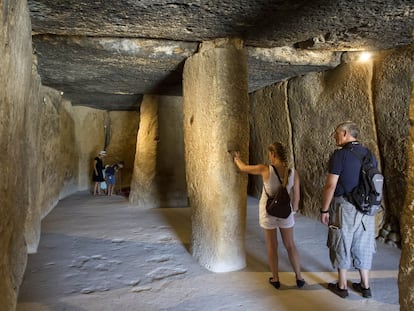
364	56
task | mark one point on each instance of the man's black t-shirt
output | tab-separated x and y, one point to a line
347	165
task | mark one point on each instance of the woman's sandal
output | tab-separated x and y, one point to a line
275	284
300	283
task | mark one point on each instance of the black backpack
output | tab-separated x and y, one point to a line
367	196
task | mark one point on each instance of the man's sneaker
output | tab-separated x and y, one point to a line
333	287
366	292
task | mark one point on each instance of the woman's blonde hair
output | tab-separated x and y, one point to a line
279	150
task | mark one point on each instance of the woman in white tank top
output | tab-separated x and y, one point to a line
270	224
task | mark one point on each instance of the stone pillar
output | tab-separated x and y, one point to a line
406	273
143	186
216	108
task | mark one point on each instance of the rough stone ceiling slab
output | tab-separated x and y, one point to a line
127	48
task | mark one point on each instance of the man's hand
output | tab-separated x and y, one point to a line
325	218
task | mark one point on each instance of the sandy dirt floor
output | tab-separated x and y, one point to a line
101	253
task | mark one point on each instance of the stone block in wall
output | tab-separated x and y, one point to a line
393	76
15	96
90	139
171	176
317	103
122	129
269	122
69	152
406	273
50	159
159	168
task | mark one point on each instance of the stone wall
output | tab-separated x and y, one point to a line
15	96
61	155
406	273
52	159
303	113
269	122
90	138
170	155
392	86
49	167
44	148
121	140
37	139
317	103
69	151
97	130
159	169
375	95
394	93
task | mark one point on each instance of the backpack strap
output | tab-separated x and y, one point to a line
361	160
280	180
277	174
360	156
350	146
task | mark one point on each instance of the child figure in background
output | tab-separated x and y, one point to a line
110	172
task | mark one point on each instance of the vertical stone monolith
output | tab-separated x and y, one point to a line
215	107
144	192
406	273
16	83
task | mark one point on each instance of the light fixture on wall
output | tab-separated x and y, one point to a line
364	56
357	56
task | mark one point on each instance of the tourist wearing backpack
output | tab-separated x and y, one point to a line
274	176
351	233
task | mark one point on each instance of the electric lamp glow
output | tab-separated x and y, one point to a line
364	56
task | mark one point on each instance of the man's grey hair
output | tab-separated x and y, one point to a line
351	127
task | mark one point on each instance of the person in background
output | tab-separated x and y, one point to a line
97	175
110	172
351	234
278	158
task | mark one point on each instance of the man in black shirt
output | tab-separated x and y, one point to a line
351	235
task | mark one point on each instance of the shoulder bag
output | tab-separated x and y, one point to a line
279	205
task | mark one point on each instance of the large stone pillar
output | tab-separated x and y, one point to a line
406	273
215	107
17	93
144	192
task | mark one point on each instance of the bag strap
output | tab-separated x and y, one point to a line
361	159
280	180
277	174
264	188
350	146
